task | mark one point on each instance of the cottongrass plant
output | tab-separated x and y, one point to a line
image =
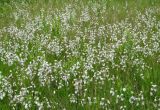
72	58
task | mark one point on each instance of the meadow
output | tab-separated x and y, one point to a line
79	54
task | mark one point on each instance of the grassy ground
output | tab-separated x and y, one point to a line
80	55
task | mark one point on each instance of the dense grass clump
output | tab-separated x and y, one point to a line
80	54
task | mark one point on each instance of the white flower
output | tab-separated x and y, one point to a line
112	92
132	99
2	94
124	89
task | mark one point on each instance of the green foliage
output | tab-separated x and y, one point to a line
72	53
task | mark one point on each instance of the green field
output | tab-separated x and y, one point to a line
79	54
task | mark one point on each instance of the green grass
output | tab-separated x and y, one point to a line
48	54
